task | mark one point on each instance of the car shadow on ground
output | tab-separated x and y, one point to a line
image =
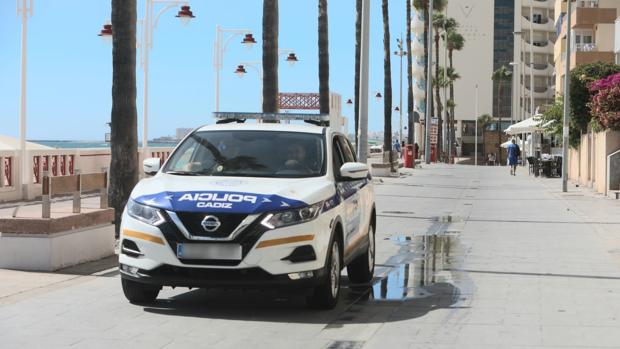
357	304
411	284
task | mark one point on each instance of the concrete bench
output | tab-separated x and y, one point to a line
42	239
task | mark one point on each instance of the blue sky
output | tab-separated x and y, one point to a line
70	68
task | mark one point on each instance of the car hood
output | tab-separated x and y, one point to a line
230	194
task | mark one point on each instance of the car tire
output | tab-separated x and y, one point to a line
362	268
325	295
138	293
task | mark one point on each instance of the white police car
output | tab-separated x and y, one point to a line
251	205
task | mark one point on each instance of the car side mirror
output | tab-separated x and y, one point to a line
151	166
354	170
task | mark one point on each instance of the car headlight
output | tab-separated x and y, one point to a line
146	214
291	217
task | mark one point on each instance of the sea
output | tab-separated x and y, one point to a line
92	144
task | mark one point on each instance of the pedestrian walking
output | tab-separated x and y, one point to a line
396	146
513	156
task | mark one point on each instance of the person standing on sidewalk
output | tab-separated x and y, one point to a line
513	157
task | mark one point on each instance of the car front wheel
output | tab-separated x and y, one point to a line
325	296
362	268
138	293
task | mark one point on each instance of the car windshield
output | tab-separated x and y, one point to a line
249	154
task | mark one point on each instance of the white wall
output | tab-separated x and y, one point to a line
617	41
475	62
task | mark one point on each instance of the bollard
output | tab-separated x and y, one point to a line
77	198
46	205
103	192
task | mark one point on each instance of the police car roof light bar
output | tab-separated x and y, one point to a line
228	117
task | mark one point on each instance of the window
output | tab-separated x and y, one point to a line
338	157
249	154
347	151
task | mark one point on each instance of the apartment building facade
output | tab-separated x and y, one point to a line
593	25
534	41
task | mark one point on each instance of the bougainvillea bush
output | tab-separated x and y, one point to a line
605	104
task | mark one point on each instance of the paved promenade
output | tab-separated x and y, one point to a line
468	258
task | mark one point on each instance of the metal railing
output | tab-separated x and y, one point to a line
591	47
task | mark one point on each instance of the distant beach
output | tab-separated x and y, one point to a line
92	144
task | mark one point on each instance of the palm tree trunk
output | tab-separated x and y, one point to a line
387	81
438	98
270	56
427	74
451	119
358	41
323	58
124	127
410	121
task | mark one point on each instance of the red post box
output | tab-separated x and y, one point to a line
408	154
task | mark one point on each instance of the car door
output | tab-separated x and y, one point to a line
364	189
349	193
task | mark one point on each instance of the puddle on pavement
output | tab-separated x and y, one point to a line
421	263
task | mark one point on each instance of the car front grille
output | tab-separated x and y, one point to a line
228	223
247	238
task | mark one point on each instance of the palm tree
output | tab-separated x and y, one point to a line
358	42
124	125
387	82
448	81
455	41
441	24
410	121
270	56
483	121
323	58
438	23
438	5
500	76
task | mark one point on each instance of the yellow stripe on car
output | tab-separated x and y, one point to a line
143	236
282	241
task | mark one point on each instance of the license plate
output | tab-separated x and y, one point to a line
209	251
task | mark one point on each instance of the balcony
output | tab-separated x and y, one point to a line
587	17
541	92
585	57
546	25
540	69
548	4
539	47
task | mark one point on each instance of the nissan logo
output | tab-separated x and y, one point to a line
210	224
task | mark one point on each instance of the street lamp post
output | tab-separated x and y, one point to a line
362	141
565	128
25	10
429	85
220	46
476	131
515	91
400	53
145	44
291	59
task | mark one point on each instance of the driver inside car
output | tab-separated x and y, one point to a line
296	158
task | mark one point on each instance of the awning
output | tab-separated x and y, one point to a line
533	124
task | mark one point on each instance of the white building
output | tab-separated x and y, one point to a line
474	64
182	132
534	51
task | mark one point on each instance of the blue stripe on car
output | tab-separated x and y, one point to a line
218	201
